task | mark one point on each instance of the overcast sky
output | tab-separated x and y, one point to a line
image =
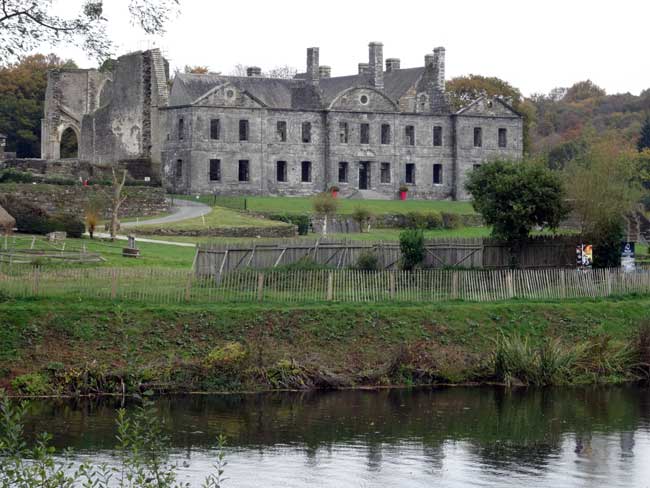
535	45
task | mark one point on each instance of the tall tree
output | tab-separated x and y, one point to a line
644	138
22	94
26	24
515	197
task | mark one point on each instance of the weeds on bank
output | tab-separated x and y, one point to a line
516	360
142	456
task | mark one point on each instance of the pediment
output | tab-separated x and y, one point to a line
489	107
363	99
228	95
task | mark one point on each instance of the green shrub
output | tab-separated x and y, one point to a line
30	218
361	216
411	243
302	221
415	220
11	175
227	356
72	225
433	220
368	261
451	220
31	384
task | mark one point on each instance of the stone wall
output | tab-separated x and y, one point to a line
141	200
279	231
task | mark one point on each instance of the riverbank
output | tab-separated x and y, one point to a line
50	347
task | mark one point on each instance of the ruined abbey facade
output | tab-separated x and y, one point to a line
367	134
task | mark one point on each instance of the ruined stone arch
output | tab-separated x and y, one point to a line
68	141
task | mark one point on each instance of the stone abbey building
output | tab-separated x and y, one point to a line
367	134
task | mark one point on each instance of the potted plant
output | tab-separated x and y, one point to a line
334	190
403	190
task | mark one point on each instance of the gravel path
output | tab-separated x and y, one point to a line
183	210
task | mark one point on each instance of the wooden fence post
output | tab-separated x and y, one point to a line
188	286
330	286
114	285
454	285
509	284
391	284
608	281
563	283
35	283
260	287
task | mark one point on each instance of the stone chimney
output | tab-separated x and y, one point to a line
376	64
439	68
253	71
313	70
428	60
324	72
392	64
364	68
438	97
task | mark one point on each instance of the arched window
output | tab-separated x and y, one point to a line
69	144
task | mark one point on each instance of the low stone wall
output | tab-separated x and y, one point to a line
140	200
279	231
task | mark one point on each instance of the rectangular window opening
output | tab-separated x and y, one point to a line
364	133
343	172
409	133
305	171
306	132
215	129
281	131
243	130
385	133
281	171
215	170
384	173
503	137
437	174
478	137
179	168
181	129
410	173
437	136
343	132
244	170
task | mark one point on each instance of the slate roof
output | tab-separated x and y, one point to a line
294	93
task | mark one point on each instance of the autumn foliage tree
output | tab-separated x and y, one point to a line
22	95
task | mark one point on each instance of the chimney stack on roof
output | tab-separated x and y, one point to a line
376	64
324	72
439	68
392	64
253	71
313	70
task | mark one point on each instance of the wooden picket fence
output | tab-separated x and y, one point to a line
157	285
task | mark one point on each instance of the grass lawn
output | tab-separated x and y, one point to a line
219	217
151	255
304	205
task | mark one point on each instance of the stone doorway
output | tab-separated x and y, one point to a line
364	175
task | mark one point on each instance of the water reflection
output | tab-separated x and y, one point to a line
446	437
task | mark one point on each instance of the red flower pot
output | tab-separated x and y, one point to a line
335	193
402	195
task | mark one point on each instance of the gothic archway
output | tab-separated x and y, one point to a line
69	144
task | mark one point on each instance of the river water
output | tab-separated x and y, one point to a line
443	437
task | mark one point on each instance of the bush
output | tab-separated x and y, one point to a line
368	261
31	384
451	220
302	221
13	176
414	220
361	216
606	239
433	220
71	225
411	243
227	356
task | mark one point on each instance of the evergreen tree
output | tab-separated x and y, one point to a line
644	138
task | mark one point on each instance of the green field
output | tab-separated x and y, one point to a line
304	205
219	217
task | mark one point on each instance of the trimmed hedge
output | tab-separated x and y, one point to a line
301	221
